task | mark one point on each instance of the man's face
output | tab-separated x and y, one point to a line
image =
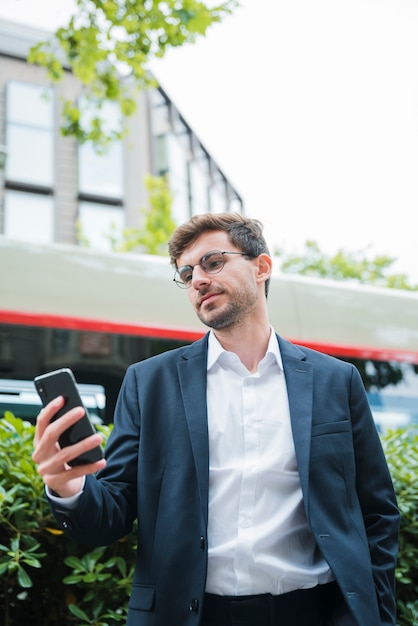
224	299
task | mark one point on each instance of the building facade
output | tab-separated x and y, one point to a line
55	190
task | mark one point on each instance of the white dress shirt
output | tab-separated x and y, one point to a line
259	540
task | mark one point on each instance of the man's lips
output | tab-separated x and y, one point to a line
206	297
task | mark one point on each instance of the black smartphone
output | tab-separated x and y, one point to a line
62	383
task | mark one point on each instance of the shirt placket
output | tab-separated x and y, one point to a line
249	482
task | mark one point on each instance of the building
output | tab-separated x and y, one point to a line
51	187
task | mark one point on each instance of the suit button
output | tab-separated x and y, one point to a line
66	525
202	543
194	605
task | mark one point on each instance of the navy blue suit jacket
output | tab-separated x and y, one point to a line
158	470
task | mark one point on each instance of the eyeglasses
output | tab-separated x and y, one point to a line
211	263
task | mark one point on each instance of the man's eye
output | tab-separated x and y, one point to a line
186	277
212	261
213	264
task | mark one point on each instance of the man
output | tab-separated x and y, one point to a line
253	466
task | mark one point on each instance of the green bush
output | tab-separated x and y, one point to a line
47	579
401	449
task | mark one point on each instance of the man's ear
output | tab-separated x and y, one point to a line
264	267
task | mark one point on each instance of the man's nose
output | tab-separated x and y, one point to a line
199	277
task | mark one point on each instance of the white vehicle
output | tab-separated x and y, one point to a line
66	306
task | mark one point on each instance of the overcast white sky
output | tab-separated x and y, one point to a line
311	109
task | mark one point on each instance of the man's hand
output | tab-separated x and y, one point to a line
52	460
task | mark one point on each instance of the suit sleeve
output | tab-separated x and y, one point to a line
107	507
377	500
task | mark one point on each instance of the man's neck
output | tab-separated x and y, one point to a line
249	343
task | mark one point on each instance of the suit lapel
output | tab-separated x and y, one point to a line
192	372
299	381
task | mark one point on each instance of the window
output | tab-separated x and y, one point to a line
29	135
223	196
199	182
179	180
196	183
29	216
218	199
161	154
29	172
101	174
101	187
161	118
99	222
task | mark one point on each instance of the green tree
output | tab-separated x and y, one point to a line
344	265
105	40
158	222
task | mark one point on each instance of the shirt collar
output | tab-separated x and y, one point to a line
215	350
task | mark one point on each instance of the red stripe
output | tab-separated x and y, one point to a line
361	352
185	334
77	323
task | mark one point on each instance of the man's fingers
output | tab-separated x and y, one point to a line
45	416
53	461
47	433
56	462
69	482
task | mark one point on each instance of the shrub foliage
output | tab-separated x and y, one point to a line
401	449
47	579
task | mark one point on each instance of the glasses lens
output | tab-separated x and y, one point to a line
212	262
184	276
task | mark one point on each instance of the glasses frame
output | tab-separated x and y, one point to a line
180	283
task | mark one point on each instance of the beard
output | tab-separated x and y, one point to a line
241	303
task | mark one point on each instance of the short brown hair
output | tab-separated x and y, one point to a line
244	232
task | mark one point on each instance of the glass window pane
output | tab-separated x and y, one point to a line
98	222
161	122
29	155
101	174
179	179
183	133
180	207
199	187
218	199
30	105
28	217
29	134
161	156
235	204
